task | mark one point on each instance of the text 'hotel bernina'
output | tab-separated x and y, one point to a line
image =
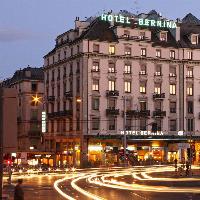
122	74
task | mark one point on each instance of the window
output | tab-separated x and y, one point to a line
157	88
189	55
143	105
95	66
142	35
143	87
127	69
52	77
190	90
163	36
190	124
172	71
96	48
190	106
95	85
190	72
112	124
64	72
172	89
128	124
143	52
111	85
172	106
126	33
194	39
128	104
111	67
58	106
127	50
58	77
34	87
65	54
172	124
111	49
34	114
158	105
172	54
78	124
78	49
47	61
95	123
78	67
71	50
143	124
53	60
158	70
127	86
143	70
95	103
58	90
111	102
158	53
78	85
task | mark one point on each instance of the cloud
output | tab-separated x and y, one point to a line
12	35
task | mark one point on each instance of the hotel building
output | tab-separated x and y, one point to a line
123	72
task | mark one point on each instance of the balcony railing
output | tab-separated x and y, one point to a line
51	98
66	113
68	94
159	113
112	111
114	93
158	96
138	113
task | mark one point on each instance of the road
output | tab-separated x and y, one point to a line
138	183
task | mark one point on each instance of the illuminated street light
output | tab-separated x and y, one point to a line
36	99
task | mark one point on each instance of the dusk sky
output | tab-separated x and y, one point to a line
28	28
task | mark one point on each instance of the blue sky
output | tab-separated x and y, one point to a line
28	28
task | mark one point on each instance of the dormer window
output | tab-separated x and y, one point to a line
194	38
126	34
163	36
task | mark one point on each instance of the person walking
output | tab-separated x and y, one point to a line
187	168
19	193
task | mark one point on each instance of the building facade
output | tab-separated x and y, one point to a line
29	86
123	74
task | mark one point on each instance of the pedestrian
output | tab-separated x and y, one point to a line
187	168
19	193
175	164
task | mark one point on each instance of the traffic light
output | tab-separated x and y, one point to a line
154	127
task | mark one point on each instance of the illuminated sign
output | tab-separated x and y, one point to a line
43	122
140	22
115	18
148	133
156	23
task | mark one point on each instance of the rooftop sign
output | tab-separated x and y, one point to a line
141	21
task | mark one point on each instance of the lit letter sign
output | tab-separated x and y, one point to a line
43	122
115	18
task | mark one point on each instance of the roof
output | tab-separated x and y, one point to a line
28	73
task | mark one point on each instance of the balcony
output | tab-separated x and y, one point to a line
158	96
114	93
68	94
138	113
51	115
34	134
159	113
51	98
66	113
112	111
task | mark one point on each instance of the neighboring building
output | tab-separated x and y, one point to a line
29	84
101	68
8	119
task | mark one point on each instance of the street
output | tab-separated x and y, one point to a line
139	183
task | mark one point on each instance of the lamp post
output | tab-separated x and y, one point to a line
125	139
